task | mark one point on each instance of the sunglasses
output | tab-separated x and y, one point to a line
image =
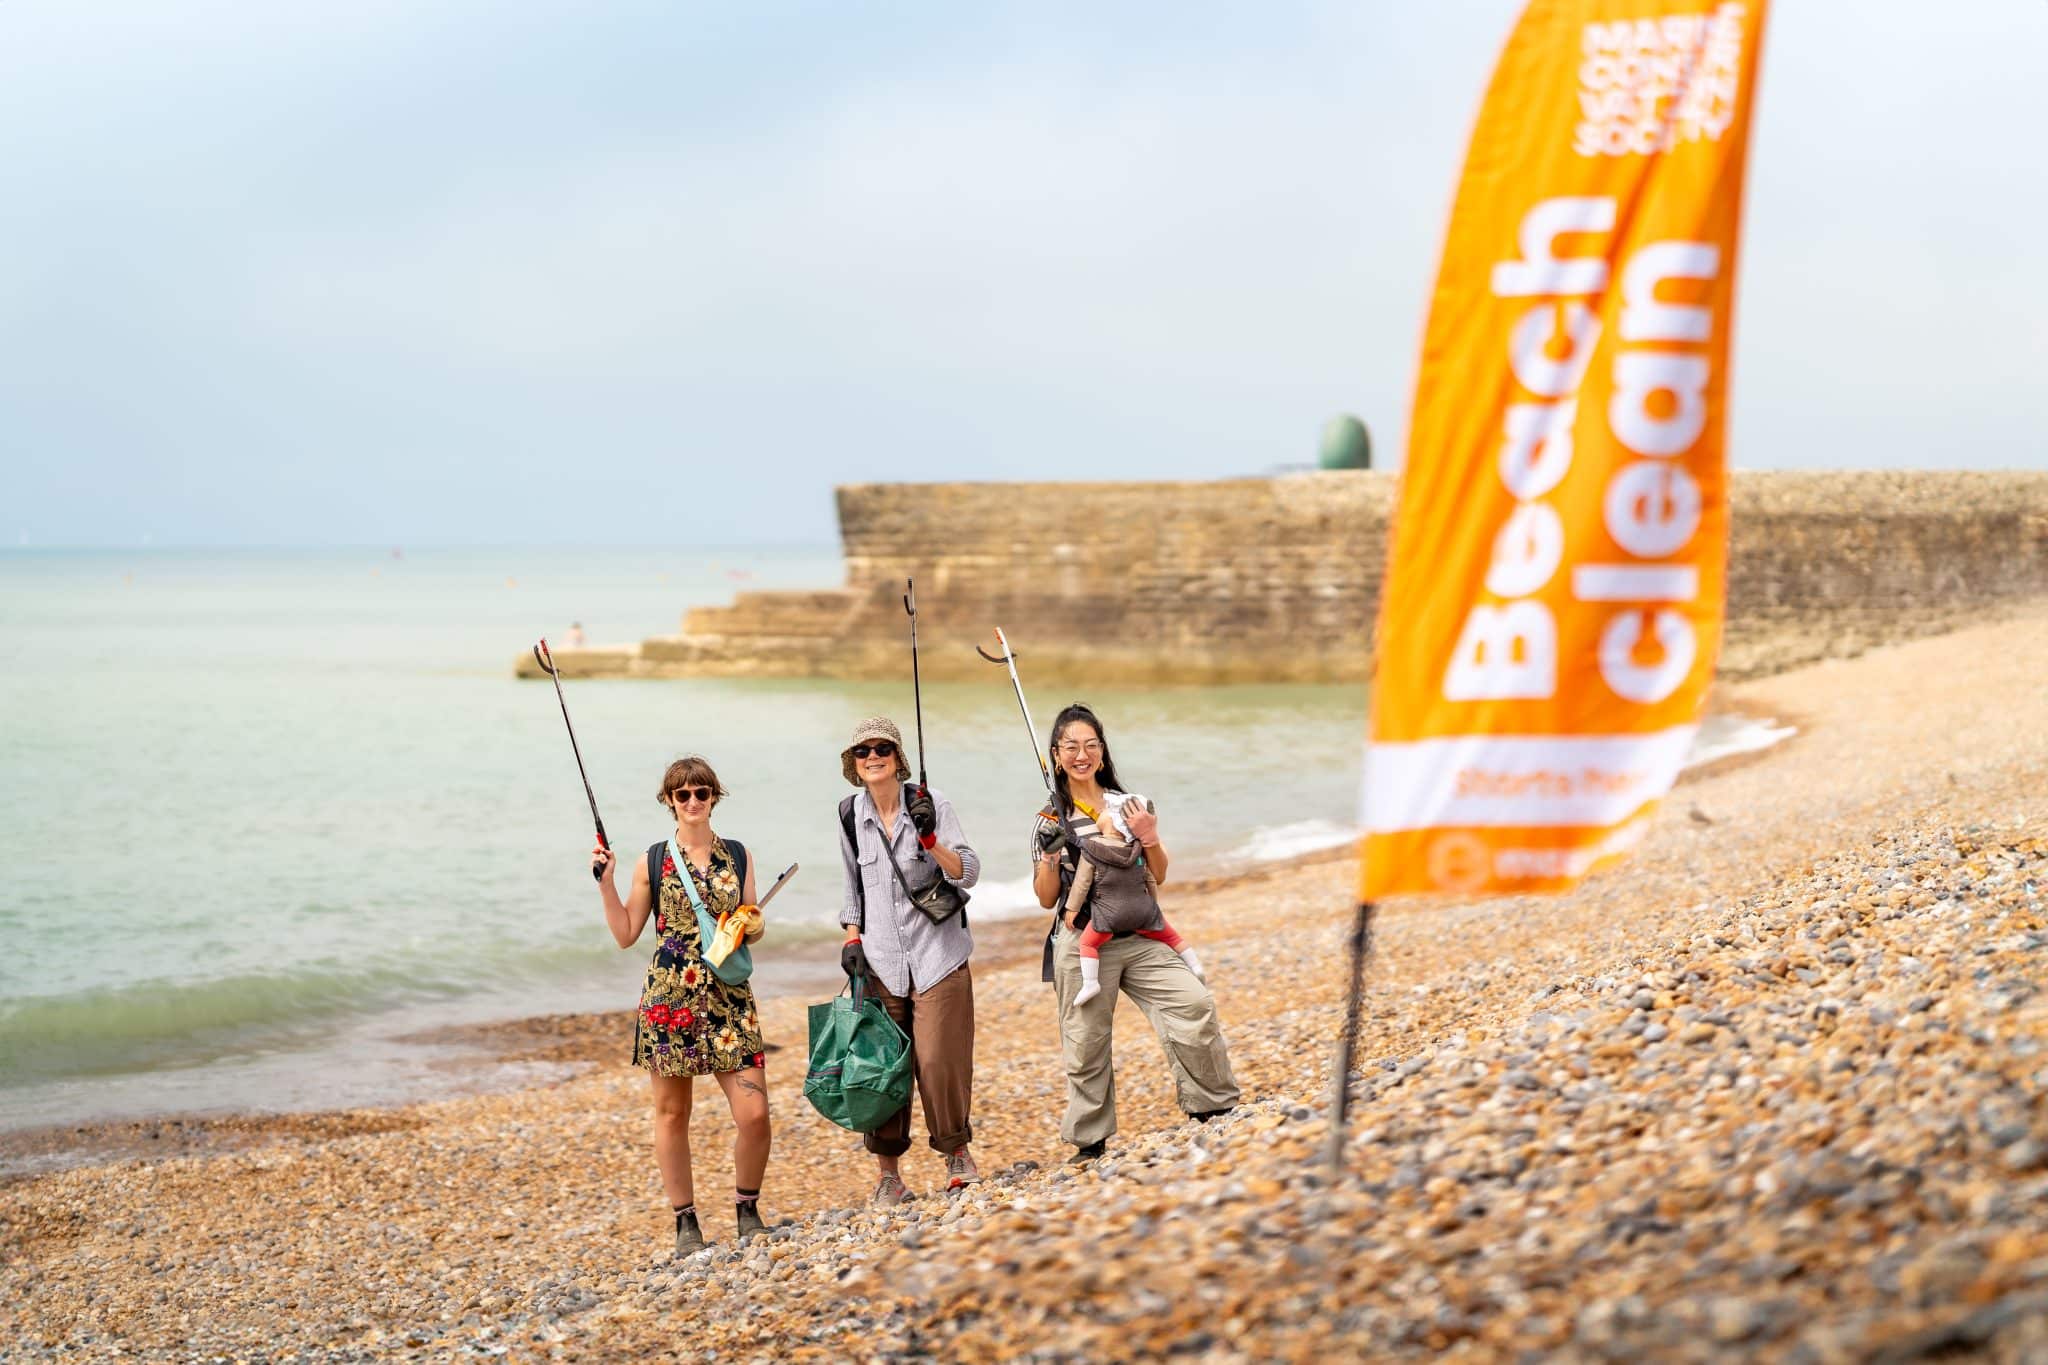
682	794
880	749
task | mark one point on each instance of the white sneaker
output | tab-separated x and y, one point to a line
1187	955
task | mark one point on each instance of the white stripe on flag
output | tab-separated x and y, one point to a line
1636	582
1536	781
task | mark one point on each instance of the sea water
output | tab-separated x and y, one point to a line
264	812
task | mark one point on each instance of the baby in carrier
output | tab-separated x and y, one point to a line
1112	867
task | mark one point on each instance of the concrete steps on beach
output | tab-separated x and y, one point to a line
764	634
748	656
761	634
777	616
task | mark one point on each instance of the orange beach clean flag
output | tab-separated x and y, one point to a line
1553	609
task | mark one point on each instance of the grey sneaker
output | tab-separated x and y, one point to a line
961	1170
689	1237
889	1192
749	1220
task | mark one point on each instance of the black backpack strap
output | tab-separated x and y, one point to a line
1059	907
739	862
654	852
1070	863
860	889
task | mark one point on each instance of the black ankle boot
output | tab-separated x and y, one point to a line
689	1237
748	1216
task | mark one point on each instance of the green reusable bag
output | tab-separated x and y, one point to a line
859	1073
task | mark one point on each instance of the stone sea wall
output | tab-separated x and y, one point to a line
1277	579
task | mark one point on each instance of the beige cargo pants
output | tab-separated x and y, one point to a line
1182	1012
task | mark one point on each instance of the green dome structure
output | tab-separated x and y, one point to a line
1346	443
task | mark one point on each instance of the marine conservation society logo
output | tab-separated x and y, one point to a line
1459	861
1462	863
1649	85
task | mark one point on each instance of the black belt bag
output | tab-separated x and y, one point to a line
938	900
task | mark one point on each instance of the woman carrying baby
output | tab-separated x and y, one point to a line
1156	978
1116	884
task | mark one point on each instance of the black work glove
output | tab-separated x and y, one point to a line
1052	837
853	961
923	814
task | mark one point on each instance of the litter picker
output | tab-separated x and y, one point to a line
1009	660
546	660
916	688
762	904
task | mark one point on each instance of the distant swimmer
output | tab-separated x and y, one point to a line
575	639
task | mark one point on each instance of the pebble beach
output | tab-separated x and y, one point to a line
1770	1089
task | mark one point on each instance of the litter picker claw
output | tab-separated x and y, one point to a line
1008	658
546	660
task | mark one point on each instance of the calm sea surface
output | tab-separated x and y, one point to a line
262	813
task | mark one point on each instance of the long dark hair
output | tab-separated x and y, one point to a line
1106	774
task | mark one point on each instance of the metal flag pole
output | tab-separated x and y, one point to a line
1361	943
1340	1080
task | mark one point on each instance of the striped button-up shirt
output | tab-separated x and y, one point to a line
904	949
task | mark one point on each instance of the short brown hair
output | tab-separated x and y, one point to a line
689	771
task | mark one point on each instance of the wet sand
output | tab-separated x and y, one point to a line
1771	1089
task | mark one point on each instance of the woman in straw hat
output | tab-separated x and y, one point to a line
915	967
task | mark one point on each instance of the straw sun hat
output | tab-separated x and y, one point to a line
869	730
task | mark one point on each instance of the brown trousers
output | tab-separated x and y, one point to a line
940	1023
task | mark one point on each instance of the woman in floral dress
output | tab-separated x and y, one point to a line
690	1023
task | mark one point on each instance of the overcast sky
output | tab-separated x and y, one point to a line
410	272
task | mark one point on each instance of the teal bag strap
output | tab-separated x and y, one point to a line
704	920
739	965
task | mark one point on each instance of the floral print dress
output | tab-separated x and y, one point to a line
690	1023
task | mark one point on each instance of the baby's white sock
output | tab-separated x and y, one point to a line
1091	980
1187	955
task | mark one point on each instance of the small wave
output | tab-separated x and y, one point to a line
1274	842
1745	736
1004	900
802	931
148	1024
144	1024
